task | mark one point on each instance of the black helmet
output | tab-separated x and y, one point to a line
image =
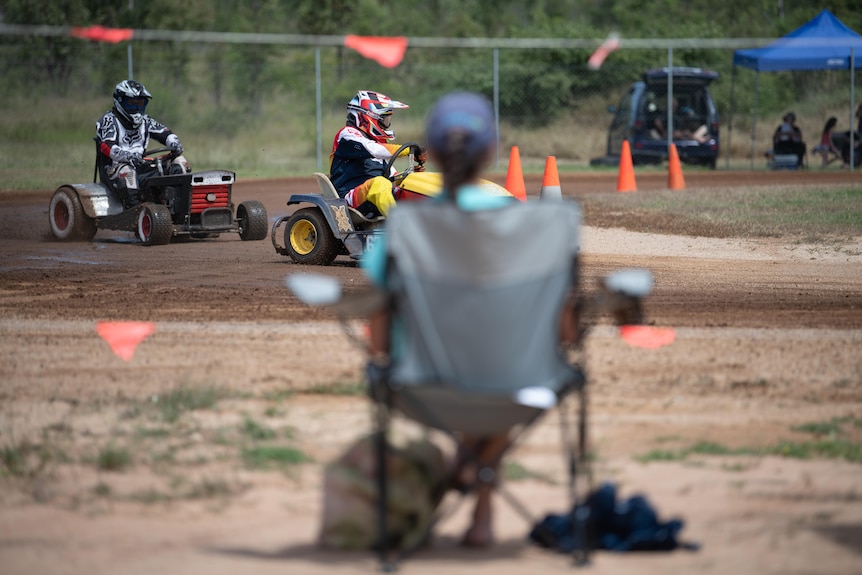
130	102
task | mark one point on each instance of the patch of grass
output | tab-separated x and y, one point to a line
339	389
25	459
828	448
831	448
149	496
662	455
152	432
274	411
514	471
273	457
208	488
255	431
832	427
173	404
818	215
279	394
818	428
113	458
102	489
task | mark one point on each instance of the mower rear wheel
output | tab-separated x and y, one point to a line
67	217
309	239
155	227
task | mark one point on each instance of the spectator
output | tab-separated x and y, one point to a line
685	123
787	139
845	148
827	148
461	140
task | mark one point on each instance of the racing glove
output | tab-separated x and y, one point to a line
125	156
420	154
173	142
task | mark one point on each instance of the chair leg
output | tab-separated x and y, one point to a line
582	516
387	565
578	465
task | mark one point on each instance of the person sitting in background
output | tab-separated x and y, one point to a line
787	139
827	148
845	148
461	139
685	125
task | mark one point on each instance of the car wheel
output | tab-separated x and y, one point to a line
252	220
67	217
309	239
155	227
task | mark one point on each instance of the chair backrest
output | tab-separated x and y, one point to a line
327	190
478	293
100	173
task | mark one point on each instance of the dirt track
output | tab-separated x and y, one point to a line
768	338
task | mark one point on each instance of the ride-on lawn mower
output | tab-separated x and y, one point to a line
195	204
328	227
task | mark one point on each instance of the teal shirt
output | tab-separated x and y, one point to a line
470	198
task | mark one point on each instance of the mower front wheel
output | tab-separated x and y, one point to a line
155	227
309	239
252	220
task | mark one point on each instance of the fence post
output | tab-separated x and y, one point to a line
497	104
318	112
853	133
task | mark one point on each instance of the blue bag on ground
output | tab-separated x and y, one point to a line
629	525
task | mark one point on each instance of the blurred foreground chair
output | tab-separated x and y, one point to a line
475	301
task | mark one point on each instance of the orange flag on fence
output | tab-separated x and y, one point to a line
388	51
102	34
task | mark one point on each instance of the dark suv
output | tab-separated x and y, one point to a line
642	118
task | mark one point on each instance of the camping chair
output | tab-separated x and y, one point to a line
475	300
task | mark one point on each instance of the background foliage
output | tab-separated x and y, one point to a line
265	94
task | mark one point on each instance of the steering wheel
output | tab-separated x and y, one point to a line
155	151
413	146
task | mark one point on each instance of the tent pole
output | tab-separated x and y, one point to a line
853	133
730	118
754	121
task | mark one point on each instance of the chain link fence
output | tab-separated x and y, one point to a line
268	109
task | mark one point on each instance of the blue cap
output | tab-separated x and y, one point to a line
466	113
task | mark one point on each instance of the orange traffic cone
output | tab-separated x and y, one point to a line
675	181
626	179
515	177
551	181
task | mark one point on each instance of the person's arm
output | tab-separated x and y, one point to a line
378	345
569	325
162	134
373	263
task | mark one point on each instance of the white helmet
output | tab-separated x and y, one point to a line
371	112
130	102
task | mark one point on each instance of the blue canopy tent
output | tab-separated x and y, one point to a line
822	43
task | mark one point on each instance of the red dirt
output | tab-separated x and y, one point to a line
768	338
